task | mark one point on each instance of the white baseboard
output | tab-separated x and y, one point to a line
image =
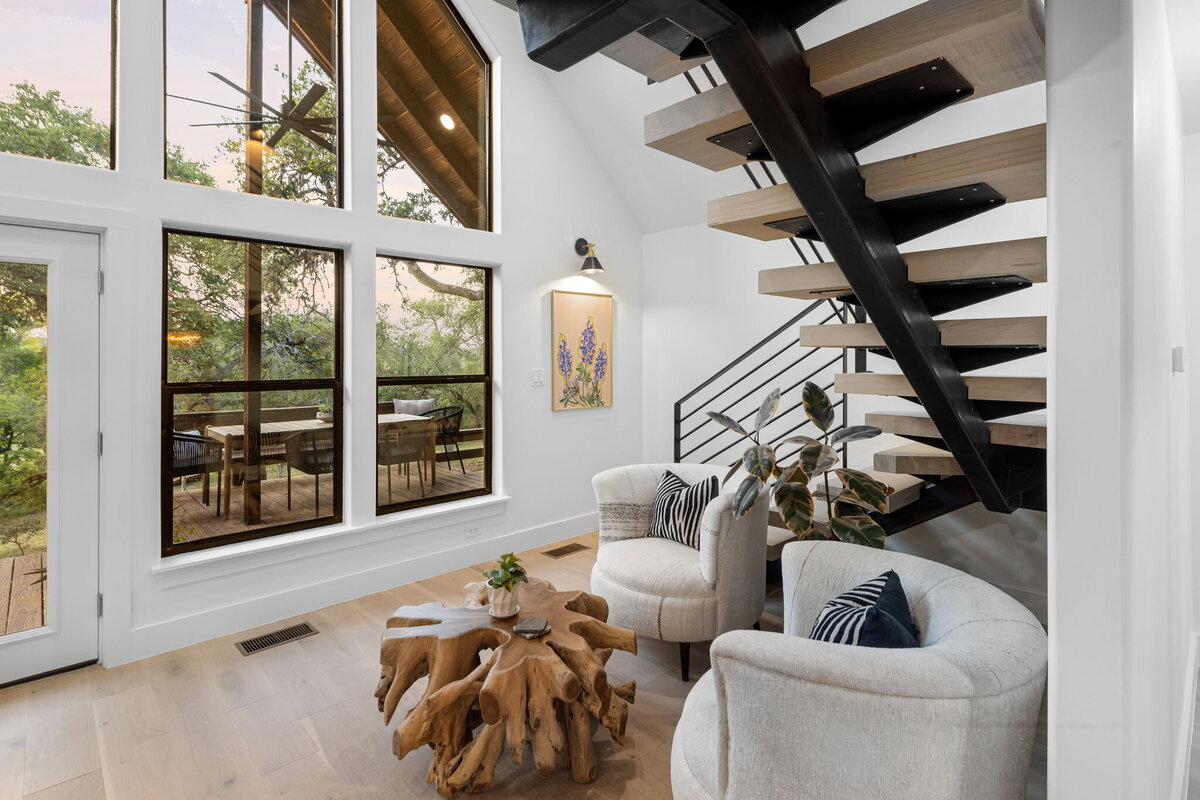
1187	722
160	637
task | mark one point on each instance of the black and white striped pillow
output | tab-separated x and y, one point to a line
872	614
678	508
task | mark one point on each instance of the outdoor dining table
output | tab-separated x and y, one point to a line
230	438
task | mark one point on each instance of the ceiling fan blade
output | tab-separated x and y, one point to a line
310	99
284	127
247	93
226	124
207	103
319	140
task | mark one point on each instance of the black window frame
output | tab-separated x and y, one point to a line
171	389
485	379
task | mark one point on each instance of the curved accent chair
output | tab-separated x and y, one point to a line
667	590
779	715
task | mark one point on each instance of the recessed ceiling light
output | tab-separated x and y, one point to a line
447	121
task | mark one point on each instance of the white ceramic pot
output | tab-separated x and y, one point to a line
503	601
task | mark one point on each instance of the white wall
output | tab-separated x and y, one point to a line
551	189
1120	566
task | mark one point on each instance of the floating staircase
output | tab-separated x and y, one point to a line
809	112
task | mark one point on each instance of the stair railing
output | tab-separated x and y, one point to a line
737	389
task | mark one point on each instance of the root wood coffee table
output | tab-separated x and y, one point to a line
489	687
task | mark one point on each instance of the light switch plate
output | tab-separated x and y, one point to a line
537	377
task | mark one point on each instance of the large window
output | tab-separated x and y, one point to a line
253	97
434	142
252	389
56	80
433	356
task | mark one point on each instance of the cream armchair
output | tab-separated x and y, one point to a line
666	590
779	715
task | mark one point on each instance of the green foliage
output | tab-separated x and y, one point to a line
45	126
816	459
507	573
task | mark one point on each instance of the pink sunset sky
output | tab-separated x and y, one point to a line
65	45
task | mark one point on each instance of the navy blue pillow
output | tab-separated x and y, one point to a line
872	614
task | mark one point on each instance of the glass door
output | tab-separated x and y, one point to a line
49	450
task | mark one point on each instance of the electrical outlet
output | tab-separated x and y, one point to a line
537	377
472	533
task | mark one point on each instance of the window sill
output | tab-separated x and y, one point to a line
187	567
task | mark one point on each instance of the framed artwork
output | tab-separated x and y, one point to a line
582	350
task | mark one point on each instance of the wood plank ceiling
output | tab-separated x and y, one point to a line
428	65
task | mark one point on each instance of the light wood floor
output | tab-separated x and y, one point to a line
22	594
299	720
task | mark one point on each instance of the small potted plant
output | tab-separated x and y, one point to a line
503	582
325	413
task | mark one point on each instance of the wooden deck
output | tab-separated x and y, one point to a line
22	596
194	520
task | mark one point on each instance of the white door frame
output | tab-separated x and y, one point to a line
71	633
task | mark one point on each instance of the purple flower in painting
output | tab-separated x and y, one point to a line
587	342
565	358
601	368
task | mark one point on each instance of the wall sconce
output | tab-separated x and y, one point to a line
591	264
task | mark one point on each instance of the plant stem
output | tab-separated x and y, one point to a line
828	496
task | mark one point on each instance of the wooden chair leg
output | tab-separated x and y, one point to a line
421	476
685	654
388	470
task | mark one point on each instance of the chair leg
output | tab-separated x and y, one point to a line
685	653
407	477
317	493
220	480
289	474
204	493
421	476
458	450
388	470
757	625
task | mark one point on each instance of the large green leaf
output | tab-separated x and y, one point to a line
733	468
859	529
851	500
746	495
854	433
767	410
795	440
793	474
759	461
817	457
817	406
794	502
727	421
866	488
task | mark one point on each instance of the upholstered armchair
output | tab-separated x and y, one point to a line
667	590
779	715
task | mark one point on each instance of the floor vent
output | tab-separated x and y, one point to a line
275	638
565	550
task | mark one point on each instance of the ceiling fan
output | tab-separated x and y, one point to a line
292	117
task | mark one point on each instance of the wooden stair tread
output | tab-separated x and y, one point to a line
983	332
1023	430
915	458
1013	163
1023	258
979	387
907	487
995	44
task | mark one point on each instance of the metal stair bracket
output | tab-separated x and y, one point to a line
763	61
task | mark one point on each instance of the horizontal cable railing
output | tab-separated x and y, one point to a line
738	388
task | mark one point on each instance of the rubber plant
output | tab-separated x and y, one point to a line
848	512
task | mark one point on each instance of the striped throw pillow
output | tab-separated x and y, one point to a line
678	508
872	614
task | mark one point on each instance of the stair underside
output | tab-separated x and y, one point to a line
979	387
995	44
995	332
1025	430
1022	258
915	458
1013	163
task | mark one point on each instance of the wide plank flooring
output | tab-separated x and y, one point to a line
300	720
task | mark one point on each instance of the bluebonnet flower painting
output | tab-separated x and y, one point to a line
583	372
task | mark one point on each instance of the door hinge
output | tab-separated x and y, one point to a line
99	605
100	443
100	281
